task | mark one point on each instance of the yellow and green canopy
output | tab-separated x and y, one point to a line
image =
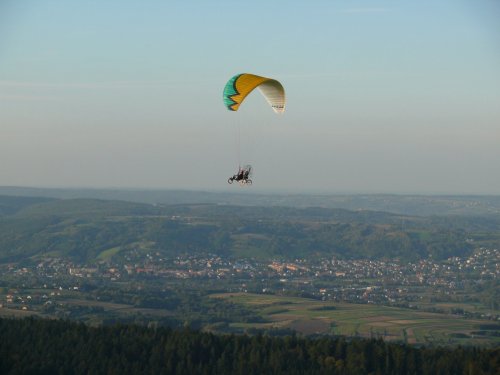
238	88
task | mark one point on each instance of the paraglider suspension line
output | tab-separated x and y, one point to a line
239	144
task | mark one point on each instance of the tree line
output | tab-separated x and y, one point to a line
39	346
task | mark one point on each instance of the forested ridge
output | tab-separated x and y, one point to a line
424	205
37	346
81	229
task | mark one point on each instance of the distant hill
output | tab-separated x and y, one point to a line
83	208
10	205
422	205
84	229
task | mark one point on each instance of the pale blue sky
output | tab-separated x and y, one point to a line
383	96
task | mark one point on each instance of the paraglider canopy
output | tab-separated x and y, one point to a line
238	88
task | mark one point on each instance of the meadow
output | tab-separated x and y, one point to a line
308	316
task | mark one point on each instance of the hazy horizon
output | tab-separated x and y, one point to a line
383	97
248	191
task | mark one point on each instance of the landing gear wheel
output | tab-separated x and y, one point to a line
248	182
230	180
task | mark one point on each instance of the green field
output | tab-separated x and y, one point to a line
6	312
107	254
310	316
80	308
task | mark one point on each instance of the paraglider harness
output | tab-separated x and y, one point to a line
242	176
